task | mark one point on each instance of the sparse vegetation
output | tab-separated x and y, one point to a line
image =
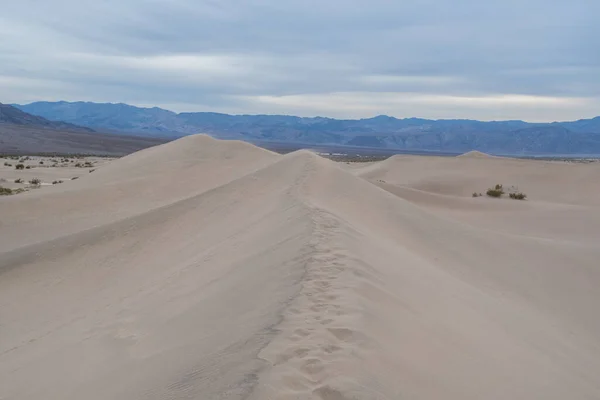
497	191
75	177
494	193
92	170
41	163
20	166
56	182
19	180
517	196
5	191
35	182
475	194
28	167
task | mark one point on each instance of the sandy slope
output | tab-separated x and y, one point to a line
216	270
474	154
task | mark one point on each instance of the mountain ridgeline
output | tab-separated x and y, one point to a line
14	116
500	137
24	133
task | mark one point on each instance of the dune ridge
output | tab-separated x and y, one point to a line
475	154
244	274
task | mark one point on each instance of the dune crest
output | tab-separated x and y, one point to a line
475	154
228	271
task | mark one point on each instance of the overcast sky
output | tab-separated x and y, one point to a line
537	60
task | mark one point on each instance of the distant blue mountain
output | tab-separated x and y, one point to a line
14	116
516	137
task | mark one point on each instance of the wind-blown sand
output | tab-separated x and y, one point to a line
217	270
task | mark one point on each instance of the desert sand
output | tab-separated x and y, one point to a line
206	269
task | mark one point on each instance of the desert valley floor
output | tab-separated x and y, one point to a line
207	269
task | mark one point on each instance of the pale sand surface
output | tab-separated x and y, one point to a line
203	269
474	154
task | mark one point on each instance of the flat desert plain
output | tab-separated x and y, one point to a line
206	269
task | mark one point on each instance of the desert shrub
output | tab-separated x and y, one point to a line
41	163
35	181
75	177
56	182
19	180
497	191
28	167
91	170
19	190
494	193
79	165
518	196
475	194
19	166
5	191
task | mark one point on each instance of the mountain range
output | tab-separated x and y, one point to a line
499	137
15	116
24	133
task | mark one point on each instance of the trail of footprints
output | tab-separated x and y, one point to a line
320	321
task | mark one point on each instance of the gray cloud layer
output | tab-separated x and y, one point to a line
533	60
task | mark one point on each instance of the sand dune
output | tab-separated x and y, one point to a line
217	270
474	154
140	182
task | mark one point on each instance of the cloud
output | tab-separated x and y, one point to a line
535	60
367	104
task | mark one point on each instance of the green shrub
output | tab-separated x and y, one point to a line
494	193
5	191
497	191
20	166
